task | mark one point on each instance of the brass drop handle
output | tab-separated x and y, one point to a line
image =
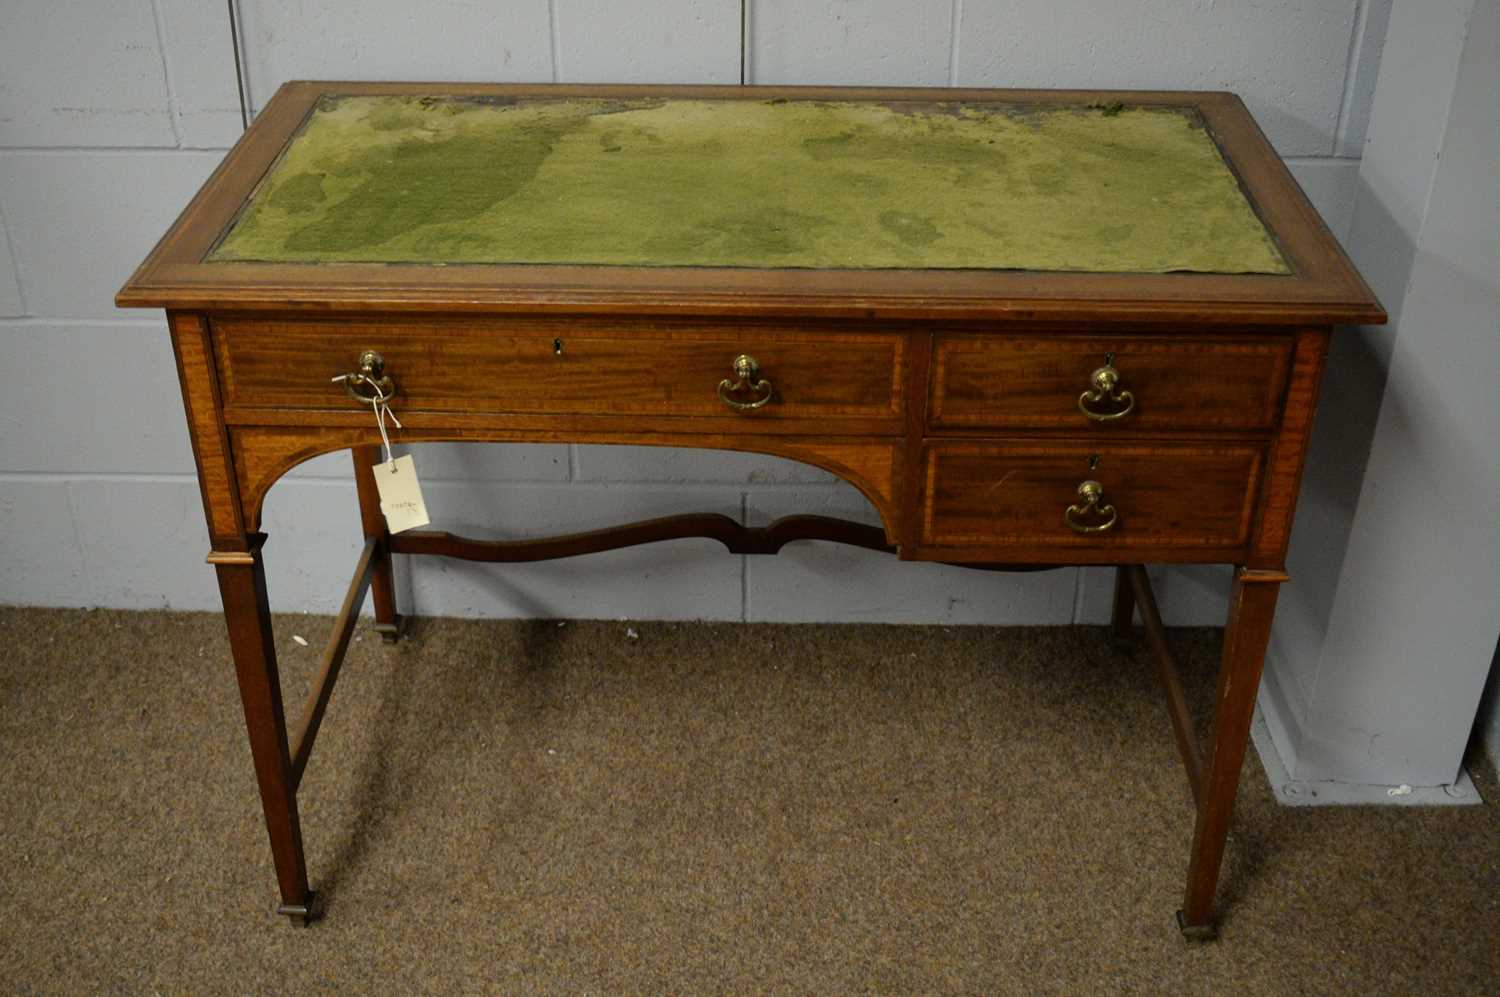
371	376
1104	380
1092	494
747	372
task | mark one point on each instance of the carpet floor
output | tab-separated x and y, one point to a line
612	808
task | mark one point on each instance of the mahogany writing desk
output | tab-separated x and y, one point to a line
1033	328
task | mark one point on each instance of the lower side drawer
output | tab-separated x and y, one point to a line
999	494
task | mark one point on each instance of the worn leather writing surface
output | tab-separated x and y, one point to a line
753	183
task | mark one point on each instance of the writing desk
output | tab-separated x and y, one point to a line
1033	328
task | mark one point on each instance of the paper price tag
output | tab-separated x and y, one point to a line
400	495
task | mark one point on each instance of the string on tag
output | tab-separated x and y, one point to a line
381	406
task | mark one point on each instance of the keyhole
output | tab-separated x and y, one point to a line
1109	359
557	347
1093	461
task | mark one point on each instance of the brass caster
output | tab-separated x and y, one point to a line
391	632
1197	932
305	913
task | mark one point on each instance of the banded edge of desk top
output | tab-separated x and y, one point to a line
1198	221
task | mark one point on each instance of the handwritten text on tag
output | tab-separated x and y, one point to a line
400	495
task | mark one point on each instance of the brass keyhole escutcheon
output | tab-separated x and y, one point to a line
747	379
369	383
1102	402
1084	516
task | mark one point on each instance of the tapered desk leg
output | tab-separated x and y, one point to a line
382	581
242	584
1123	614
1252	603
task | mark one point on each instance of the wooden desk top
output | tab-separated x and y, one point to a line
961	204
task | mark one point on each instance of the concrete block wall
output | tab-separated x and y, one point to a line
113	111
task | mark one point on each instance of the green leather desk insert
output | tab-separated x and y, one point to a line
775	183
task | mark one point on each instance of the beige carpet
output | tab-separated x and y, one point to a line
539	808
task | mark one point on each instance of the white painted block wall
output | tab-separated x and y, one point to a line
113	111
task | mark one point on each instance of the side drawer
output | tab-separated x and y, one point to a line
554	367
1019	494
1035	381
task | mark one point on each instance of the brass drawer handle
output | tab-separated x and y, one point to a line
372	374
1104	380
1092	494
748	372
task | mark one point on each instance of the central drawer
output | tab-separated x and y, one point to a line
592	368
1047	381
